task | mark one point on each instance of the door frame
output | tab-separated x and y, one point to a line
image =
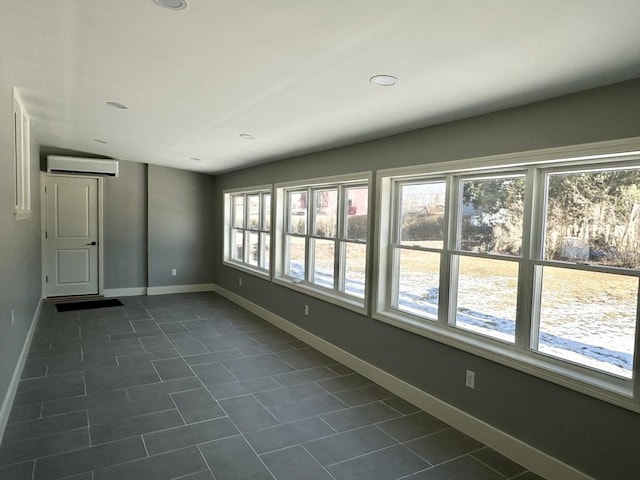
43	228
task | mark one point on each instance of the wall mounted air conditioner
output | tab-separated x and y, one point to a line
87	166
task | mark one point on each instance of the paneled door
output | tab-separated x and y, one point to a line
71	237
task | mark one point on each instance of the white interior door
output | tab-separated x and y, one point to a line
71	236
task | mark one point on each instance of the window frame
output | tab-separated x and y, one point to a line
454	251
538	263
22	158
282	233
262	231
395	241
519	355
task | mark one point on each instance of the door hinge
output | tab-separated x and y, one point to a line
45	189
46	279
46	234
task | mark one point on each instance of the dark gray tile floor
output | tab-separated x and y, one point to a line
193	387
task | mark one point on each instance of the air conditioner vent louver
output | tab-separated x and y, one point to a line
87	166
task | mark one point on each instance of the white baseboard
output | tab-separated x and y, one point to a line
7	401
509	446
124	292
201	287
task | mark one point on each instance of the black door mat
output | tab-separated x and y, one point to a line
69	306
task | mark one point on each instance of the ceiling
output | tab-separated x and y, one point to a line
294	74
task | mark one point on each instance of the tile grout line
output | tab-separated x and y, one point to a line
144	444
317	462
205	460
34	459
470	454
230	419
372	452
255	395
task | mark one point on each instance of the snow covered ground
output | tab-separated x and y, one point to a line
575	333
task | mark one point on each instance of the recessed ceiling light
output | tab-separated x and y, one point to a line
117	105
99	140
195	159
172	4
247	136
384	80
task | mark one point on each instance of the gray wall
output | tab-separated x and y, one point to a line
181	230
125	226
595	437
20	260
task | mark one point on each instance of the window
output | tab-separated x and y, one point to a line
417	247
487	254
324	229
531	263
22	159
588	274
248	226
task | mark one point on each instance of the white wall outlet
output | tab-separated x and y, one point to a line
306	310
470	379
240	281
174	272
13	317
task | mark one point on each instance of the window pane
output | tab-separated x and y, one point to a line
326	212
487	297
492	215
266	211
254	211
254	249
323	261
237	245
354	269
295	257
265	259
594	217
422	214
238	211
419	282
298	212
589	318
357	213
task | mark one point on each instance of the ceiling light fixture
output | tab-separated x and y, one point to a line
171	4
99	140
247	136
384	80
117	105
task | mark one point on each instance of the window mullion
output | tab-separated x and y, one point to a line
449	265
526	281
309	268
339	247
259	232
536	249
246	239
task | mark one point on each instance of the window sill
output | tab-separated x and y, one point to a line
247	269
534	363
350	303
21	214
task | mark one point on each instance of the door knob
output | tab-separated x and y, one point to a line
92	243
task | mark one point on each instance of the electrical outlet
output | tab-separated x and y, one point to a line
174	272
306	310
240	281
13	317
470	379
